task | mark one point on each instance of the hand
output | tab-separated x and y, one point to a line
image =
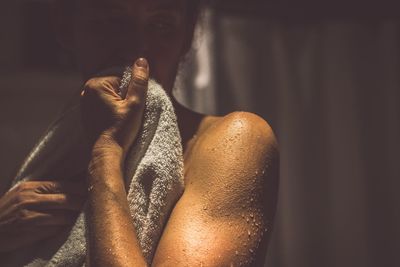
33	211
113	119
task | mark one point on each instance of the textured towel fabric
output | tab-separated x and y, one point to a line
153	174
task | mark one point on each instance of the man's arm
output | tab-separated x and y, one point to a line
226	211
35	210
112	236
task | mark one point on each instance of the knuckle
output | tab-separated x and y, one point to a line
22	187
97	86
23	200
92	87
109	82
47	187
91	84
55	187
134	102
105	84
41	189
139	81
19	199
120	111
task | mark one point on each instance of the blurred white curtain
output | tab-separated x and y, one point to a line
330	89
195	86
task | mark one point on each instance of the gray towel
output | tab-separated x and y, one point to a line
153	174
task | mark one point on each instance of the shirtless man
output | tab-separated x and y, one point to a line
225	214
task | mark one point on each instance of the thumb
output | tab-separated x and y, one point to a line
140	77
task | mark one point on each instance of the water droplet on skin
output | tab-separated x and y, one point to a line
248	232
247	220
251	251
251	199
237	252
251	215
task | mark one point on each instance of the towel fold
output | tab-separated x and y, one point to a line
153	174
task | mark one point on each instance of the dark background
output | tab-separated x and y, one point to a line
325	74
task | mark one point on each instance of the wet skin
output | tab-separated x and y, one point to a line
225	215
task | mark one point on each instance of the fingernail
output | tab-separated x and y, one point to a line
142	63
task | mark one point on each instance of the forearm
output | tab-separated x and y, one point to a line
112	236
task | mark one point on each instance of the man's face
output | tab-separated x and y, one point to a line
111	33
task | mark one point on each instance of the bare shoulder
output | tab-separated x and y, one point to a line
249	125
237	130
226	212
233	148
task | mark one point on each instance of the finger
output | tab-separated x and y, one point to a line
57	202
97	86
140	77
63	187
110	87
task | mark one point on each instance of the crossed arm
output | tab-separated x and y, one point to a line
224	216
